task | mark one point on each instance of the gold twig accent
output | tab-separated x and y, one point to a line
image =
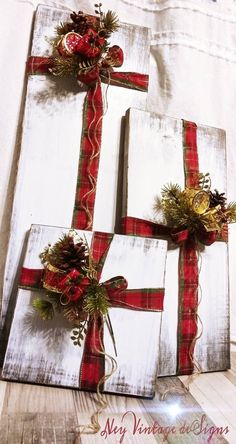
94	426
94	154
196	365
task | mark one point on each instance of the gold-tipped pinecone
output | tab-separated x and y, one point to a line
73	254
217	198
67	253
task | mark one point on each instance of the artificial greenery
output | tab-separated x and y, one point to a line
110	22
196	208
102	25
44	308
70	260
79	332
96	300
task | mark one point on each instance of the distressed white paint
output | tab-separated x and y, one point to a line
48	165
154	157
42	351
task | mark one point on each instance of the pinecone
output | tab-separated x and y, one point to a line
217	198
67	254
82	22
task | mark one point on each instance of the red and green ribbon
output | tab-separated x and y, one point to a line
188	258
91	137
92	366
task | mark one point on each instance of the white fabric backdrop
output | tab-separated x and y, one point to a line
193	76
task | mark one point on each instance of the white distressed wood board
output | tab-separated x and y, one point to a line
153	158
42	351
48	164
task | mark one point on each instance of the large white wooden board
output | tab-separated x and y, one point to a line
154	157
50	149
42	351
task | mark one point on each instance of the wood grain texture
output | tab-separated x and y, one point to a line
50	148
216	395
155	160
57	422
42	351
231	374
26	406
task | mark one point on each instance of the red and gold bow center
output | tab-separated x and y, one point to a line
74	285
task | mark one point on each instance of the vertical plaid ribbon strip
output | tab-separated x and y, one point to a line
92	366
188	265
188	260
91	134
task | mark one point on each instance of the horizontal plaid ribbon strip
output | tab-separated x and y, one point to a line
140	227
188	262
91	134
147	299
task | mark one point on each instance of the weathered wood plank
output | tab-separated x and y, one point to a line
212	391
42	351
30	398
3	386
50	148
231	374
60	428
179	412
30	404
28	428
155	160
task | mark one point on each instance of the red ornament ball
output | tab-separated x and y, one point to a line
67	46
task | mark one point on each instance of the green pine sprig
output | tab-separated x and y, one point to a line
110	22
176	209
230	212
44	308
71	66
96	300
63	28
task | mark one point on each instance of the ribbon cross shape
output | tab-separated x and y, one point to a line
188	258
91	136
92	367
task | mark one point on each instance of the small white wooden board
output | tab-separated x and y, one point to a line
42	351
50	149
153	158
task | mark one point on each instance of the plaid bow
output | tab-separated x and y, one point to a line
92	366
188	260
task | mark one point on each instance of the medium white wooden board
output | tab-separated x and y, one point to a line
154	157
48	165
42	351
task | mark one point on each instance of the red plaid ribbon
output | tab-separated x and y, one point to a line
148	299
188	265
188	262
91	134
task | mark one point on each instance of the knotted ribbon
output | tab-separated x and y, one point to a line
188	258
91	136
92	367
